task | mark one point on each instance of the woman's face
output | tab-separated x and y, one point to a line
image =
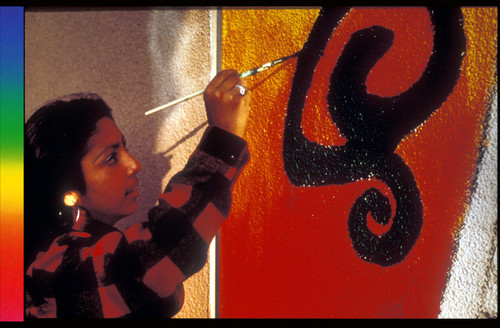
110	174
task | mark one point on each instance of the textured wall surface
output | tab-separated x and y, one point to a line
287	248
136	60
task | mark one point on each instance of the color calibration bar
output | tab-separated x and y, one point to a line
11	162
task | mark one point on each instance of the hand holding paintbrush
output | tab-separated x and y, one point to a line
227	102
251	72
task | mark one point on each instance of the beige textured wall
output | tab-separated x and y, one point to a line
136	60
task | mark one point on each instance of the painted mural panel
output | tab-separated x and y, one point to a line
364	154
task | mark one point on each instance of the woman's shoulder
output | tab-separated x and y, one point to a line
50	259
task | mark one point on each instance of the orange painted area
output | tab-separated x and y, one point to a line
285	250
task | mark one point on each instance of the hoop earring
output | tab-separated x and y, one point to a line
77	213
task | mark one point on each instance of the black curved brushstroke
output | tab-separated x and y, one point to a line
372	125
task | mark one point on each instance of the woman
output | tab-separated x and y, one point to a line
80	180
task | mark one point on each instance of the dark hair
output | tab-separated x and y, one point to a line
55	141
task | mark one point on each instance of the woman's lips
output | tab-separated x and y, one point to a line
132	193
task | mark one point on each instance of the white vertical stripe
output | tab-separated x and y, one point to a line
212	252
471	290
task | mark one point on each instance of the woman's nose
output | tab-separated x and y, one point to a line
133	165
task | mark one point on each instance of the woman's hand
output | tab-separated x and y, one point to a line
226	107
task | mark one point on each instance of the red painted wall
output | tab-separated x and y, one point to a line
285	251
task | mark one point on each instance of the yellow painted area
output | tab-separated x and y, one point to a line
267	34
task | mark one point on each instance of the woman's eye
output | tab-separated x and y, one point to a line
111	159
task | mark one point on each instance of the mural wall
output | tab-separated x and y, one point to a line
365	153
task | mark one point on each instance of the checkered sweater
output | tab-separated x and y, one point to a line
97	271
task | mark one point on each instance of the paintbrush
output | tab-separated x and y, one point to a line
251	72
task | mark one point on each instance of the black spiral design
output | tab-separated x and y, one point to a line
372	125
